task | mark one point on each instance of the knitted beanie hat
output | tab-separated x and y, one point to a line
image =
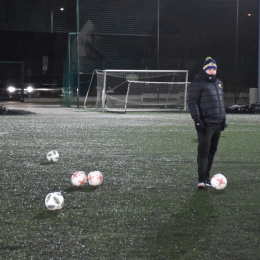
209	64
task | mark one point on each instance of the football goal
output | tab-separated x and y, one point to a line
125	90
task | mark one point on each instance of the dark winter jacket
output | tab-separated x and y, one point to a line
206	99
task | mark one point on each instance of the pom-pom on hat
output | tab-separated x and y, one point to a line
209	64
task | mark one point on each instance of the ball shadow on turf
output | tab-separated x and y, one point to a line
81	189
47	163
46	214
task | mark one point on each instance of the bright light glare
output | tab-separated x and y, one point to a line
29	89
11	89
62	9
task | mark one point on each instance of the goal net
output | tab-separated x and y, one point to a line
122	90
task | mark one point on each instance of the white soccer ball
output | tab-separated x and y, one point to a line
53	156
95	178
218	181
54	201
79	178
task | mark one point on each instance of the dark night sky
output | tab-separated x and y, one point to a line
189	31
191	20
182	23
25	29
31	46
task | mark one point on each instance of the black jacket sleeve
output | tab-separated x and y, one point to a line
194	99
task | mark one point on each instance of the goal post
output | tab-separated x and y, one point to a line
122	90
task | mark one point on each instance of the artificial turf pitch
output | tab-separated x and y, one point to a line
148	206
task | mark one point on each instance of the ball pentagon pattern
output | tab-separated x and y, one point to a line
53	156
54	201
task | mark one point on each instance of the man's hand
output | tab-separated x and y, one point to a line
198	124
224	124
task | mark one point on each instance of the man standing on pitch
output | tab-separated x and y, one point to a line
208	112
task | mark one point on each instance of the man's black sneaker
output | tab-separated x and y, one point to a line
207	183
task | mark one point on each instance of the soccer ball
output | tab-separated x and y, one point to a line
95	178
54	201
79	178
218	181
53	156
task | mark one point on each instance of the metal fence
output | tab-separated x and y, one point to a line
143	34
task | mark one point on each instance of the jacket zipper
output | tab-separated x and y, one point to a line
218	101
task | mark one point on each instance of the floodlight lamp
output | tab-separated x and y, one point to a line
29	89
11	89
62	9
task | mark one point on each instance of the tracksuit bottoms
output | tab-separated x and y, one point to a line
207	147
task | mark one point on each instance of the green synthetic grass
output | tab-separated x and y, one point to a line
148	206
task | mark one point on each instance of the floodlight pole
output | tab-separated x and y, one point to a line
236	58
158	34
22	81
237	36
51	21
68	92
78	78
258	96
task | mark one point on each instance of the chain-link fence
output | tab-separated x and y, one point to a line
146	34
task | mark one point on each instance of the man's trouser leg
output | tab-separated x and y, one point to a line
207	147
